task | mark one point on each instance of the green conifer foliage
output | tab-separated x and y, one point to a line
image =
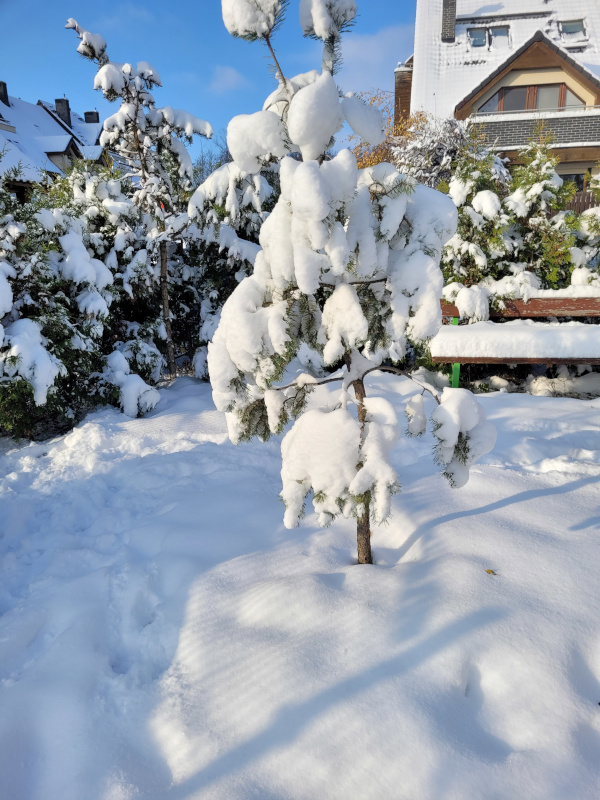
543	231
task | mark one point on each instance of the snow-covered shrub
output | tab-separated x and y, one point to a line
428	149
585	253
478	185
348	271
63	255
463	434
514	235
544	231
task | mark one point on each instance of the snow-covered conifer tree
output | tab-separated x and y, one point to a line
348	272
226	211
537	203
150	141
114	232
59	259
479	183
514	235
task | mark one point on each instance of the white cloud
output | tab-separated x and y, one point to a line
370	59
227	79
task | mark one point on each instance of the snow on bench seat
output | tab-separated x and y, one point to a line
521	341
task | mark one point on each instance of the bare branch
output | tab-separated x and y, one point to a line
397	371
355	283
393	370
301	386
276	62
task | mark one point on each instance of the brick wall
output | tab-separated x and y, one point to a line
449	21
403	76
507	134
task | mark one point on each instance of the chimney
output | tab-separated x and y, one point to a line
63	110
449	21
403	77
4	93
91	116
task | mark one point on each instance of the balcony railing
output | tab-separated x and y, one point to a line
539	111
582	201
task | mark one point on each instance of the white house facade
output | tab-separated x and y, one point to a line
506	66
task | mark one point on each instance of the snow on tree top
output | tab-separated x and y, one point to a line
365	120
251	19
92	45
325	18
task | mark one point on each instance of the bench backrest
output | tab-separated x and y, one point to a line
539	307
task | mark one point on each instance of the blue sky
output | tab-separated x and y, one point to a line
203	69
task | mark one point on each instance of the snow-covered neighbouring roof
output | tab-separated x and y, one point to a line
91	153
54	144
446	72
86	133
38	132
25	155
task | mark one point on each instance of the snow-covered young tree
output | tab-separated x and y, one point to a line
348	271
150	141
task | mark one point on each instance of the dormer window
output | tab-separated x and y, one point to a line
496	37
572	31
478	37
499	37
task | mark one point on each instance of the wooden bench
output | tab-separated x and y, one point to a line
521	344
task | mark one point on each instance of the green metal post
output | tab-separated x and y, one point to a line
455	367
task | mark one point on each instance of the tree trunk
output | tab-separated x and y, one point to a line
363	525
363	535
164	290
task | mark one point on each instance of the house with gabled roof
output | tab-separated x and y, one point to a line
43	139
507	66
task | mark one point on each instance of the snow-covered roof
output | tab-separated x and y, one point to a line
54	144
86	133
31	160
475	8
446	72
38	132
91	153
595	68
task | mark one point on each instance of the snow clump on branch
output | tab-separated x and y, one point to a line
326	18
251	19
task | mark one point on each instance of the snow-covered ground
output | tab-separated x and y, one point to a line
163	637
